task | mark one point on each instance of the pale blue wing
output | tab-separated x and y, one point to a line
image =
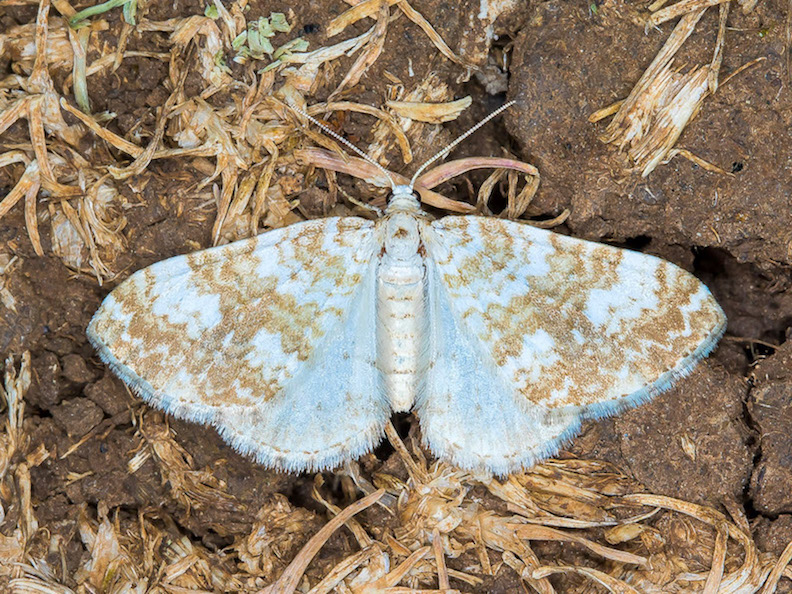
467	412
269	339
570	324
533	332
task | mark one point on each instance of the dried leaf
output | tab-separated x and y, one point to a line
432	113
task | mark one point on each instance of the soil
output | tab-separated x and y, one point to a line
722	433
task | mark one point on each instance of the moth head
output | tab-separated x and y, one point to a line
403	197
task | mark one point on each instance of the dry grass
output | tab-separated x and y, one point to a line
435	524
428	526
249	142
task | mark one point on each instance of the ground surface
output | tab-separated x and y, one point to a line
724	433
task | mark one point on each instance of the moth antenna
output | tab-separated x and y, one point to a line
345	142
448	148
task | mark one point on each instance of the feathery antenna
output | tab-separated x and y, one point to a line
345	142
421	169
451	146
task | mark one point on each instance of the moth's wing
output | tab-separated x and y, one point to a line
271	340
571	325
468	413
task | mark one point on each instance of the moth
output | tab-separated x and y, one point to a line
299	344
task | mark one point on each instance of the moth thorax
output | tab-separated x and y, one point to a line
401	236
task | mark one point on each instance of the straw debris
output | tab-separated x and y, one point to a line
649	122
249	140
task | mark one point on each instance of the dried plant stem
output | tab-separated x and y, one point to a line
778	570
288	581
442	570
446	171
681	32
613	585
712	585
683	7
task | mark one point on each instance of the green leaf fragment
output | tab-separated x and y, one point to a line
239	41
279	23
255	42
129	13
262	26
258	35
219	61
294	46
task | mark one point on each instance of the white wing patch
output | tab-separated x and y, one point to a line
333	409
270	339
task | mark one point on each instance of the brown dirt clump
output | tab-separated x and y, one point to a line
571	61
770	411
690	443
